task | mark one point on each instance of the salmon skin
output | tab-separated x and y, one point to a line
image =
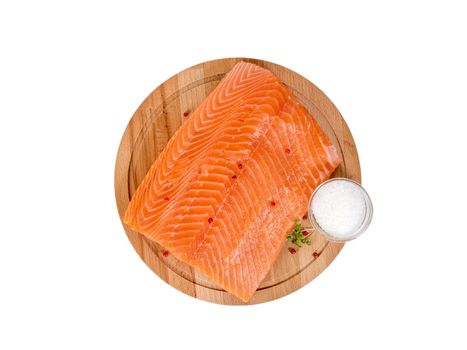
228	187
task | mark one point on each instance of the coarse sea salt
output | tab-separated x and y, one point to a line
340	208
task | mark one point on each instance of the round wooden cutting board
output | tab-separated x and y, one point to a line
157	119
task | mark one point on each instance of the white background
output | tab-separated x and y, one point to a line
71	76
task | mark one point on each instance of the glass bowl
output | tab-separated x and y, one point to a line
367	216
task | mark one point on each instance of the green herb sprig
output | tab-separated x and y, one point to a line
296	236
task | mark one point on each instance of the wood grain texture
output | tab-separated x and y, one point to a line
149	130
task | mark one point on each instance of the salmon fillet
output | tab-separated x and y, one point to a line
228	187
